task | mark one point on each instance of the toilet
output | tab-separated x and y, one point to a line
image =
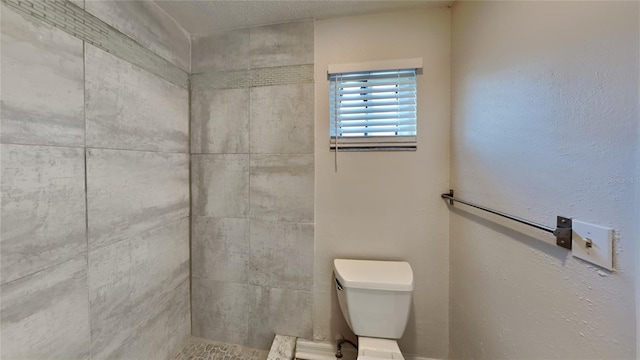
375	299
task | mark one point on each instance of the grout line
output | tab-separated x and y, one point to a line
190	209
44	145
251	304
164	224
138	150
93	147
252	285
86	186
72	258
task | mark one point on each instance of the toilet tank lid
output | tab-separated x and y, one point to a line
374	275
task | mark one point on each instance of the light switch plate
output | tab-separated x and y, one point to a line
601	251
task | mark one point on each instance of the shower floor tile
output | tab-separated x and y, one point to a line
202	349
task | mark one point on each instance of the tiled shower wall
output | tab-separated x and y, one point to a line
95	193
252	115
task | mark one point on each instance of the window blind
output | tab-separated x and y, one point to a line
373	109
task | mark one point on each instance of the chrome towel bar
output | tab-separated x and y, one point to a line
562	232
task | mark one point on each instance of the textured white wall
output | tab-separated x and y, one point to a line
385	205
544	123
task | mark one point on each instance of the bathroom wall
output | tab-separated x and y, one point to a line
545	123
386	205
44	307
137	207
252	183
149	25
95	197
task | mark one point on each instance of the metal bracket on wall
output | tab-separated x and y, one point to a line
562	232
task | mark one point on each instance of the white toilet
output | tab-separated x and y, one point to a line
375	299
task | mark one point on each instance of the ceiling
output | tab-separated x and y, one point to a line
202	17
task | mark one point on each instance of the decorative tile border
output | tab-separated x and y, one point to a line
68	17
281	75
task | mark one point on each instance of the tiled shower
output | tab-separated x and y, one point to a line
152	188
252	183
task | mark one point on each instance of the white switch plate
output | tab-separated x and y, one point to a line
601	251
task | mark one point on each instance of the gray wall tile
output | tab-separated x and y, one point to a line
220	248
148	341
282	187
282	44
149	25
179	321
220	120
42	83
154	259
130	108
221	311
220	185
161	259
129	192
138	269
278	311
282	119
235	112
140	333
132	292
281	255
43	208
46	315
223	51
136	291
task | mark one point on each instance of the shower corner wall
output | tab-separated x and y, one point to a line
95	186
252	145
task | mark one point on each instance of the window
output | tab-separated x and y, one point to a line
373	110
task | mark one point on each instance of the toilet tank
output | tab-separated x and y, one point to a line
374	296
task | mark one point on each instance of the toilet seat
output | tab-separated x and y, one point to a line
376	348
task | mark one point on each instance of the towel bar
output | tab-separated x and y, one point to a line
562	232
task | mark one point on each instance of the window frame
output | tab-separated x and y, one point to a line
359	116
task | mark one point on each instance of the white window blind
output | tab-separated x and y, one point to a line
373	110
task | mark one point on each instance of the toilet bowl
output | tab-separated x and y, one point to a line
375	300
